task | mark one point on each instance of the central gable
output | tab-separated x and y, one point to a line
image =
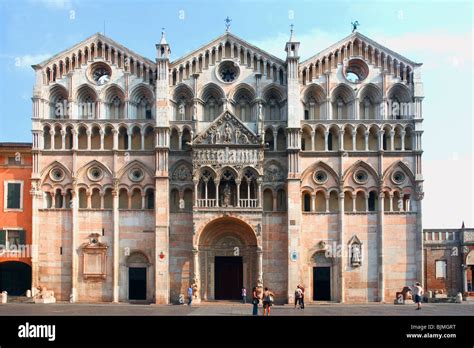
226	130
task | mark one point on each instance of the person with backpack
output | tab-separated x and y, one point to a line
268	298
302	296
298	294
417	292
255	301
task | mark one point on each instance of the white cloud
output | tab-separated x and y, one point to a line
449	192
432	49
28	60
54	4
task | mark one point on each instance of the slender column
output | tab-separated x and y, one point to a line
74	139
392	140
51	135
354	135
366	140
391	202
115	135
464	278
102	133
326	136
75	231
116	251
64	200
366	203
341	140
88	201
380	243
402	138
341	242
260	265
381	133
142	132
327	203
196	183
275	138
275	204
354	197
217	183
88	138
259	198
238	182
129	135
180	136
63	139
313	202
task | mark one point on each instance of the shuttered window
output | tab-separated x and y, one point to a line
13	199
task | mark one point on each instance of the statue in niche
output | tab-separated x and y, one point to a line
218	137
227	195
227	134
355	255
237	135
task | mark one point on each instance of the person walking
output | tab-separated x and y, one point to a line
190	295
302	296
255	301
244	295
268	298
298	294
417	292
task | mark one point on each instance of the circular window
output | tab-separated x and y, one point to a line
320	177
398	177
100	73
136	174
95	173
361	176
227	71
356	71
56	174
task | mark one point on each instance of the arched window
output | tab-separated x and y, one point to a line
95	199
174	201
281	140
174	139
372	201
306	202
150	199
211	109
123	139
82	198
136	199
185	139
123	199
108	199
267	200
281	200
269	141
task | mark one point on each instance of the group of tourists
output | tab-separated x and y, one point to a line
266	296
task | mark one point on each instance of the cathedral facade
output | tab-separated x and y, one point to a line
227	168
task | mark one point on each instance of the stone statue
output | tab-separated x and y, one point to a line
356	255
43	295
218	137
227	195
355	25
237	135
227	133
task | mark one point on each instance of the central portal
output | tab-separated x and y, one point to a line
229	277
228	259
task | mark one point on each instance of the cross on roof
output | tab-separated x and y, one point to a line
227	23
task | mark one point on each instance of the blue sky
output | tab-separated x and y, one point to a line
437	33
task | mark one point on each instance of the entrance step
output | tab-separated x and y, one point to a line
19	299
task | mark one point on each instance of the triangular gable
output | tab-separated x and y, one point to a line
222	39
226	130
93	39
368	41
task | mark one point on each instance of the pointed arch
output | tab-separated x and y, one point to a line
364	165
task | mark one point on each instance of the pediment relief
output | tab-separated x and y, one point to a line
226	130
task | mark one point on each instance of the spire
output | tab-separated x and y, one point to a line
292	34
462	227
292	45
163	37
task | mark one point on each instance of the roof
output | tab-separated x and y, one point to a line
98	36
359	36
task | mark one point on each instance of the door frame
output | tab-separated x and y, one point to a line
330	282
146	283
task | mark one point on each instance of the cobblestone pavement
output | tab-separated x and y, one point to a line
234	309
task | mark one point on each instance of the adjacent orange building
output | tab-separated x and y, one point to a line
15	218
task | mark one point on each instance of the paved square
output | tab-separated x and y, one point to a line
235	309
